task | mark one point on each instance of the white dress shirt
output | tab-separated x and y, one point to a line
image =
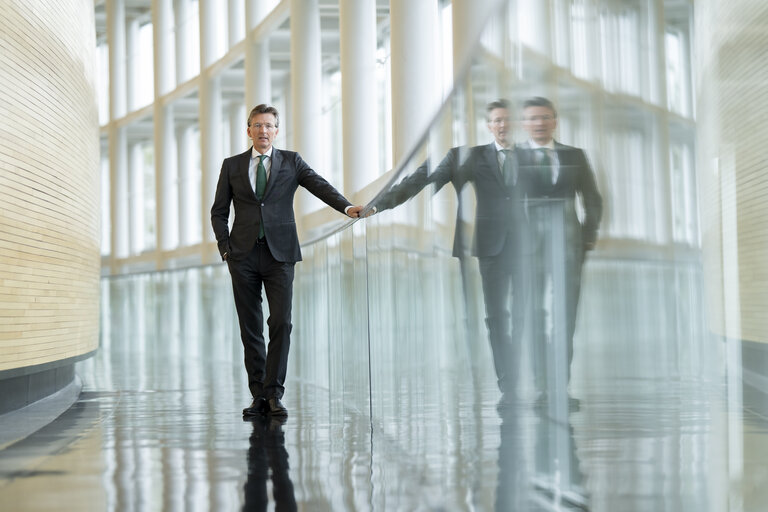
254	163
501	157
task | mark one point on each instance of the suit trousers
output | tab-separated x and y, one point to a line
505	291
266	366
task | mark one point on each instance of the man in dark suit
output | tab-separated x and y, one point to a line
263	248
500	237
556	175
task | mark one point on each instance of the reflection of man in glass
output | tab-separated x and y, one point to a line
500	228
556	174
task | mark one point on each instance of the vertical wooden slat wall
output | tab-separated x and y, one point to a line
49	182
732	38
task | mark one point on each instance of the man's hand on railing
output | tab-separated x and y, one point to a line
360	211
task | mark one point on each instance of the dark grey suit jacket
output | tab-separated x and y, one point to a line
575	178
276	207
499	212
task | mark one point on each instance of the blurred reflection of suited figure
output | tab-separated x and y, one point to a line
514	487
268	458
556	174
500	238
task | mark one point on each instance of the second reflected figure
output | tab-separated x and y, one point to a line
501	232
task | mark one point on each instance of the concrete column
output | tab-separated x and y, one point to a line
136	199
359	107
187	190
162	31
118	170
131	63
306	97
235	22
181	14
166	189
238	124
209	49
211	154
258	84
116	43
414	82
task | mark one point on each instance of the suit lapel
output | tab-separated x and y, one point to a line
245	160
492	161
563	162
277	161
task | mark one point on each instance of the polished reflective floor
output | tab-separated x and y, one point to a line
158	426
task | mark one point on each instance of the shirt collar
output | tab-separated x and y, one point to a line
548	145
499	147
255	154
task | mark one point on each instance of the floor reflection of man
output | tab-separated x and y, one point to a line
514	486
268	459
500	232
556	175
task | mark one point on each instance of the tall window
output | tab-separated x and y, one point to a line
677	73
187	31
141	68
580	33
621	49
683	200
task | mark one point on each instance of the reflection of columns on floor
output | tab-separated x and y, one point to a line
306	97
357	30
136	198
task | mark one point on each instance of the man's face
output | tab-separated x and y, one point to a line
262	131
499	125
540	123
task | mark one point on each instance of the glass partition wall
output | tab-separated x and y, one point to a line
415	319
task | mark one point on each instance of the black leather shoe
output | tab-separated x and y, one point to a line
276	407
258	406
